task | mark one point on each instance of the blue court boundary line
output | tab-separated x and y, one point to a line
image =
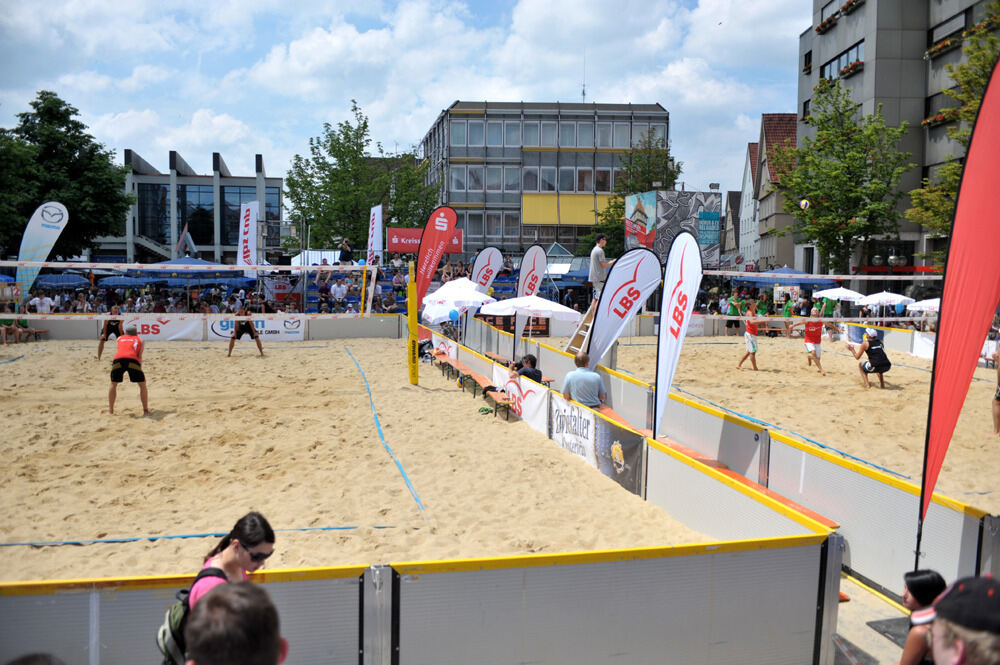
381	436
779	427
211	534
10	360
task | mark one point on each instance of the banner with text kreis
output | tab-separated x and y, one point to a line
407	241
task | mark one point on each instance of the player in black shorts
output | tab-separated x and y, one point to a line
244	328
128	359
111	327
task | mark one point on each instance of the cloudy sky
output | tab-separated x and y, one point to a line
262	76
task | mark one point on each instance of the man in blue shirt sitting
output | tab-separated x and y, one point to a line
584	385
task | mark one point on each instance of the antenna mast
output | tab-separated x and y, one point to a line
583	92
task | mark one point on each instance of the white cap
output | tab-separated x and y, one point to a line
871	332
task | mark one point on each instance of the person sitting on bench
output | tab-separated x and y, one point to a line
526	368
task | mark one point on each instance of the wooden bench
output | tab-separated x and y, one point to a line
500	400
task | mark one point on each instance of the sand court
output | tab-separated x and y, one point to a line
292	435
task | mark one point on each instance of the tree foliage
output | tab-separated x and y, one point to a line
334	188
848	173
934	202
50	156
649	166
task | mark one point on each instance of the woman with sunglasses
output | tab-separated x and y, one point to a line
920	589
243	550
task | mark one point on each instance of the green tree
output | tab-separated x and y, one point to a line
649	166
849	174
50	156
934	202
334	188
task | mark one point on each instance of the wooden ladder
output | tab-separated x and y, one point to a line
581	337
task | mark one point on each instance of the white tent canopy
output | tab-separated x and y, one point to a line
839	293
929	305
885	298
532	306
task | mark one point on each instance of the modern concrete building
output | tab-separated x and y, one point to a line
892	53
777	246
209	205
749	237
519	173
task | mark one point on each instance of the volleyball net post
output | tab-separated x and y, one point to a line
412	340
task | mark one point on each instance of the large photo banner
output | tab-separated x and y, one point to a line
270	330
529	400
654	221
167	330
619	454
43	229
633	278
572	427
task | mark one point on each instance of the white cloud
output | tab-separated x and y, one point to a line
88	81
142	76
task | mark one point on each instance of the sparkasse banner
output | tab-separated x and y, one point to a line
407	241
435	237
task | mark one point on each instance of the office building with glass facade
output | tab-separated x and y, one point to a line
209	205
519	173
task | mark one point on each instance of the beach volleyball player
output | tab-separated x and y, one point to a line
112	326
244	328
128	358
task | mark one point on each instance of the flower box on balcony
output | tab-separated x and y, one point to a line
850	6
942	46
827	24
949	114
852	69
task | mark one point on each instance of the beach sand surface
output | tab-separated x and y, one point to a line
293	435
885	428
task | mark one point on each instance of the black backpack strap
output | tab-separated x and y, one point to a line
183	594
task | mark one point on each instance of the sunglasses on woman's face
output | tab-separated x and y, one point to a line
257	557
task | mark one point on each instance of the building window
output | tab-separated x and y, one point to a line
832	68
621	135
494	178
512	133
829	9
602	180
619	178
604	135
955	24
233	197
659	133
547	179
567	134
511	178
458	137
529	179
511	225
494	133
494	225
548	135
457	182
154	211
196	210
475	179
805	109
639	130
531	134
477	132
474	225
584	180
567	174
807	62
585	134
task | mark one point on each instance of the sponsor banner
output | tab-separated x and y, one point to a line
247	250
619	454
374	234
536	326
971	290
438	231
696	326
681	279
572	427
532	271
278	288
407	240
166	330
41	233
632	279
529	400
445	345
272	330
488	263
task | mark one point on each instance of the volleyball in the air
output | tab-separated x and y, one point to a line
804	204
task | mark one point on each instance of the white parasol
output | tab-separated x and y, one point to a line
457	294
885	298
532	306
839	293
930	305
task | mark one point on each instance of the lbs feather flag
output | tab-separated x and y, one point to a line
971	290
533	267
247	254
633	278
485	269
436	236
374	234
680	287
42	232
